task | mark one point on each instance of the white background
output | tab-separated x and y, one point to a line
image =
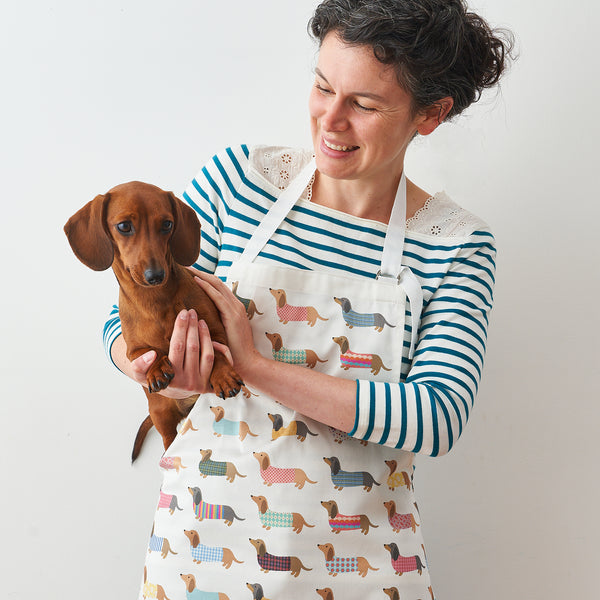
96	93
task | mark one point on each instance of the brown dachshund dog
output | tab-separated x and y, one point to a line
148	236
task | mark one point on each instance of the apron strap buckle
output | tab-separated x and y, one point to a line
380	275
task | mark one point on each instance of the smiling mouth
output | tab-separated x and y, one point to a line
339	148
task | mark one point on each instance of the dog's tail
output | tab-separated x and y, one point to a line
145	427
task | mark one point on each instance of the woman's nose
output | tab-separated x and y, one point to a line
335	117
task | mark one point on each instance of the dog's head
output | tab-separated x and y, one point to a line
218	411
393	550
325	593
263	460
392	464
138	225
206	454
196	494
390	506
392	593
261	502
275	340
193	536
327	550
334	464
257	591
190	582
277	421
279	296
342	342
344	303
331	507
259	546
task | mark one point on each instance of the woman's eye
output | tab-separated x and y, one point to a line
125	227
167	226
364	108
322	89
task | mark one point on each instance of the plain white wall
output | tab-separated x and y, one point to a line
96	93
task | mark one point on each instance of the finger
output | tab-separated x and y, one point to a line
178	340
217	291
207	353
192	347
223	349
142	363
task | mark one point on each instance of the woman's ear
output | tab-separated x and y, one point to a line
434	115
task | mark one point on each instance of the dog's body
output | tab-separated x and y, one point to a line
202	553
148	236
270	518
342	479
339	522
337	564
270	562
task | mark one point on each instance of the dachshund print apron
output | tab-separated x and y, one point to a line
259	501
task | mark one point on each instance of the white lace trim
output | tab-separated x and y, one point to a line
439	216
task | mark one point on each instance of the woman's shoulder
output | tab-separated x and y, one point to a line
441	217
278	165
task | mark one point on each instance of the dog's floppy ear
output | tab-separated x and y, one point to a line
185	241
87	235
334	510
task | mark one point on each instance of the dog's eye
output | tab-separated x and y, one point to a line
167	226
125	227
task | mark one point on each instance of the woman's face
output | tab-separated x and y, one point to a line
361	120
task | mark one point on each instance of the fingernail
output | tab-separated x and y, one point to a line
193	314
183	315
202	324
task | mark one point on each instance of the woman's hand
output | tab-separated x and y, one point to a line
191	352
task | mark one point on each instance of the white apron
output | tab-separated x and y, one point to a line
259	501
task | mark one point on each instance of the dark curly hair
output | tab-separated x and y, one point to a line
437	47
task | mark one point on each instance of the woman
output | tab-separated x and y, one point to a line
365	341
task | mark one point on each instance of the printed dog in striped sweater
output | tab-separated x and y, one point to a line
168	501
159	544
201	553
269	518
297	428
398	521
271	474
270	562
223	426
338	564
356	360
248	303
292	356
339	522
404	564
214	468
397	478
193	593
204	510
286	312
342	479
355	319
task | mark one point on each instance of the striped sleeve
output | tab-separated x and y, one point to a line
210	194
427	412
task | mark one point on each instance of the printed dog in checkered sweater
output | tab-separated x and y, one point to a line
159	544
355	319
193	593
204	510
404	564
298	428
398	521
271	474
292	356
214	468
223	426
269	518
270	562
201	553
357	360
338	564
286	312
339	522
342	479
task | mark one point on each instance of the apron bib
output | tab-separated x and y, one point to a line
259	500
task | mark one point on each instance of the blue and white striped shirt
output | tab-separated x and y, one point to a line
451	252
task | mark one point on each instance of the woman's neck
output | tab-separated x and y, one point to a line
366	200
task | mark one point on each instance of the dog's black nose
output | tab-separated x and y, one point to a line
154	276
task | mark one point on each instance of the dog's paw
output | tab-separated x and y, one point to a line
225	382
160	374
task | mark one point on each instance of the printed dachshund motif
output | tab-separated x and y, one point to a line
399	521
269	518
325	593
159	544
403	564
392	593
187	426
355	319
193	593
397	478
148	237
214	468
356	360
201	553
298	428
223	426
271	474
168	501
204	510
339	522
292	356
340	437
270	562
338	564
286	312
248	303
152	590
257	591
171	462
342	479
